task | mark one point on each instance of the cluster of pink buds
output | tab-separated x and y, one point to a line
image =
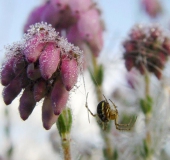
152	7
147	49
43	65
77	20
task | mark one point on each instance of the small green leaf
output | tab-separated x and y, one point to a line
64	121
146	104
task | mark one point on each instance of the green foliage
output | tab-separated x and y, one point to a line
97	75
146	105
64	122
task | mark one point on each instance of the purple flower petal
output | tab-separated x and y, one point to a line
69	72
48	116
59	97
27	103
11	91
40	89
49	60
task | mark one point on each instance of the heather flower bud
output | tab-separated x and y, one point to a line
166	45
59	97
39	90
32	72
11	91
147	50
27	103
48	116
24	80
80	6
129	63
33	48
155	32
96	43
152	7
60	4
88	28
34	17
49	60
19	64
51	14
129	46
69	72
137	33
7	73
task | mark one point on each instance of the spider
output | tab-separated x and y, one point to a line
106	113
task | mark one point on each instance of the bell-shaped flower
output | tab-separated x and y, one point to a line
27	103
49	60
59	97
69	72
48	116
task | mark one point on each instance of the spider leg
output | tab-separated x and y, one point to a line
105	98
125	126
94	115
113	104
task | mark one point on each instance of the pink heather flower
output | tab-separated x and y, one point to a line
69	71
146	49
59	97
64	15
80	6
91	31
49	60
34	16
60	4
11	91
34	47
27	103
48	116
7	72
37	66
39	90
89	28
152	7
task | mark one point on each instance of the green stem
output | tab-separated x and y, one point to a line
64	124
66	146
148	116
147	84
9	151
108	150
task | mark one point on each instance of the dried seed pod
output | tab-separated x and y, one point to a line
27	103
11	91
59	97
69	72
40	88
49	60
48	116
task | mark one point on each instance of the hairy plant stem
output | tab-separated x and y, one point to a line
64	124
65	138
108	150
9	151
148	116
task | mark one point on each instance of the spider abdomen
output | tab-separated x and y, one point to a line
103	110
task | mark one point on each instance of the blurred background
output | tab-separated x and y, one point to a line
29	140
